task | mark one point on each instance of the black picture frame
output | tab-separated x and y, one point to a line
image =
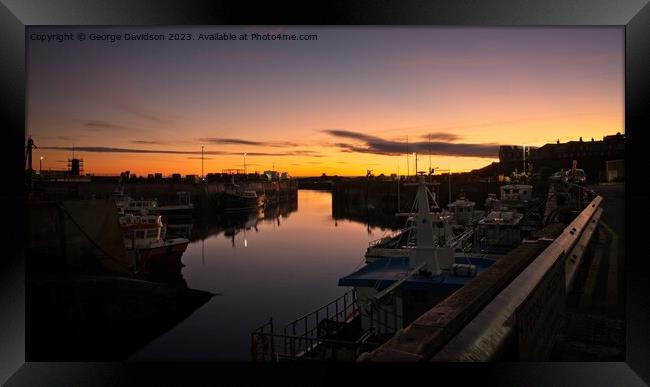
16	15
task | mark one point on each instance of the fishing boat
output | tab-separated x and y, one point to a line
236	199
394	290
519	198
453	229
500	231
144	236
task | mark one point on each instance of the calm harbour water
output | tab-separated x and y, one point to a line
280	267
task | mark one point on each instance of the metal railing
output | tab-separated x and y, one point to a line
490	332
265	347
302	336
342	309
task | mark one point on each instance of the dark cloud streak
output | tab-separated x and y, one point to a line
377	145
235	141
144	142
101	125
99	149
441	136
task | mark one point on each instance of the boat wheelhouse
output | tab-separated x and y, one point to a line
516	192
462	210
183	207
127	204
500	231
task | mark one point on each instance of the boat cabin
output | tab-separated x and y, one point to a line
517	192
500	228
462	210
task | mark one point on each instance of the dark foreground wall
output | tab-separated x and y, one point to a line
75	234
100	318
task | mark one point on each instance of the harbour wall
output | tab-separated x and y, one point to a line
76	234
204	196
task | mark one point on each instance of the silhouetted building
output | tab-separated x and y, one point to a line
509	153
591	156
611	147
193	179
75	166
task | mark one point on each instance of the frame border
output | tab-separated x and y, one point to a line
15	15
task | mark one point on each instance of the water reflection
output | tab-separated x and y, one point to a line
281	263
231	224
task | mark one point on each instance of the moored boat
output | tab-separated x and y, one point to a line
236	199
144	236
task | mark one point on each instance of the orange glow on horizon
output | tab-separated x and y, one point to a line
336	106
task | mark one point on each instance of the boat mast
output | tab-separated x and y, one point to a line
424	242
398	181
424	230
407	158
429	153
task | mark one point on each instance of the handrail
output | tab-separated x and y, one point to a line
326	307
480	334
486	335
307	344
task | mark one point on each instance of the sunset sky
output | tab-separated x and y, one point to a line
339	105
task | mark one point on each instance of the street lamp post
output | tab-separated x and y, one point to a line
245	164
40	165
